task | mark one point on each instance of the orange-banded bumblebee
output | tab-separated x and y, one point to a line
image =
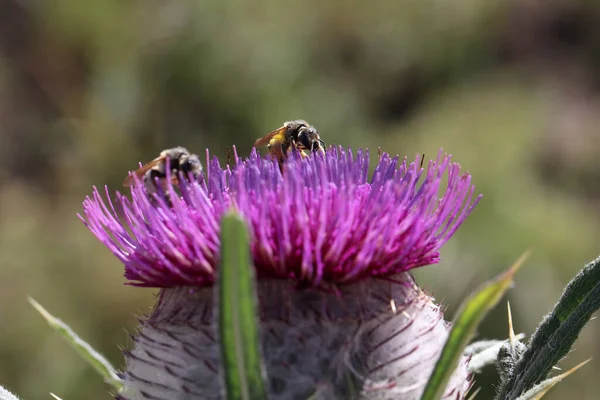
297	134
180	160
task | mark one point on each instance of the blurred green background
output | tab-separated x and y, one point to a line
89	89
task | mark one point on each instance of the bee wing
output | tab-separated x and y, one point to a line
141	171
265	140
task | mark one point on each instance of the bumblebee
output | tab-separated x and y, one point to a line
180	160
297	134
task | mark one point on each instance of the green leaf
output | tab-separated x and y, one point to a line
577	290
538	391
6	395
95	359
556	333
468	317
243	369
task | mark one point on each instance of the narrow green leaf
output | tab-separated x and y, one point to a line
577	290
468	317
6	395
538	391
243	369
575	306
557	346
95	359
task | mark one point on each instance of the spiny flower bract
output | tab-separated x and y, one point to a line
320	221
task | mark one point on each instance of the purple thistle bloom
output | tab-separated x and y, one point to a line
322	222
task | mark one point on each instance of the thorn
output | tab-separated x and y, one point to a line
575	368
471	397
511	332
569	372
550	383
393	305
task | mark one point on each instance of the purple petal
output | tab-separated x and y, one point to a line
320	222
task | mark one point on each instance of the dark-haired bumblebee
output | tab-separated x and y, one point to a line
297	134
180	160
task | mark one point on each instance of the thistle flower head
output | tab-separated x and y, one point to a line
322	221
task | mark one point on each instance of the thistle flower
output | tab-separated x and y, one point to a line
331	250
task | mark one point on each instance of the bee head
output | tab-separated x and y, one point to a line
293	127
175	155
305	134
309	138
190	164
